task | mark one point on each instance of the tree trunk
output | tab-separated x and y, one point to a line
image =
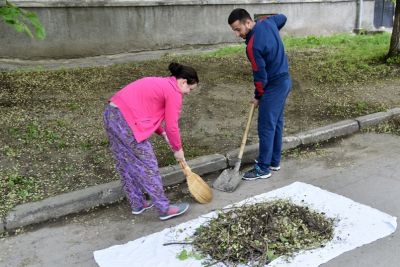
394	49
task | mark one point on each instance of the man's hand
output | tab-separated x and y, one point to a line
255	102
179	155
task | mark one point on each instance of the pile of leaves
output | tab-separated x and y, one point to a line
257	234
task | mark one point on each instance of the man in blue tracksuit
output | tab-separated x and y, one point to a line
266	54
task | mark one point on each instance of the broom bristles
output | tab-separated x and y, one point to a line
199	189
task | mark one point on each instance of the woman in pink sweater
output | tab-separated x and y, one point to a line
133	115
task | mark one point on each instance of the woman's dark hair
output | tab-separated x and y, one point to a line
183	72
238	14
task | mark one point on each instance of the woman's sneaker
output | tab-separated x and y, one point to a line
174	210
256	173
146	206
273	168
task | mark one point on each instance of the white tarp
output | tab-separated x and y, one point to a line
357	225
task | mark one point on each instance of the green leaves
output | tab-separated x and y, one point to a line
183	255
283	239
262	232
270	255
22	20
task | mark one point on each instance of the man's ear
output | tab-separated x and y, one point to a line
248	22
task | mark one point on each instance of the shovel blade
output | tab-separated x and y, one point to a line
228	180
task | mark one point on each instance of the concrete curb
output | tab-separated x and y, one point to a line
73	202
76	201
338	129
63	204
251	151
202	165
394	111
372	119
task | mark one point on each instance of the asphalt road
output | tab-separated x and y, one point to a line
363	167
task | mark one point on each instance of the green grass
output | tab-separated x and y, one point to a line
334	58
337	59
227	51
342	59
352	47
343	41
388	127
17	188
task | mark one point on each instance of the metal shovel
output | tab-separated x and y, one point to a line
229	179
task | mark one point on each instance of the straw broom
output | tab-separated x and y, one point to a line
199	189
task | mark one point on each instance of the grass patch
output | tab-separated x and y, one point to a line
16	188
343	58
394	60
388	127
52	127
341	41
226	51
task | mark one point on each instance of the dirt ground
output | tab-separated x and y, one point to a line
52	138
216	117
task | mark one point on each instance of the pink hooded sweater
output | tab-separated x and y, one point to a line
146	103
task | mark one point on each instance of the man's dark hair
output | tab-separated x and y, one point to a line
238	14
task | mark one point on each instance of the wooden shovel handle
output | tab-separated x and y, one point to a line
246	131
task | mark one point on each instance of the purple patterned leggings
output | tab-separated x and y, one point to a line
135	162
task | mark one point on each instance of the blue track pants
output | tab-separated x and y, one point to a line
270	122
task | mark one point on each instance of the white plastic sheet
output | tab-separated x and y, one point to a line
357	225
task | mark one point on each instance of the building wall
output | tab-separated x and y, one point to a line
90	27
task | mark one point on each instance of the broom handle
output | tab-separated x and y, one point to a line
185	168
246	132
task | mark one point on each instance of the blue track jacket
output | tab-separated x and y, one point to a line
266	52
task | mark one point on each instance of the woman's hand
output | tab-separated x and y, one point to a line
179	155
164	135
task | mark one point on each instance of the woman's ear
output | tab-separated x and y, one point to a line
183	83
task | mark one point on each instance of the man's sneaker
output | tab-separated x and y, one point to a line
273	168
146	206
256	173
174	210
